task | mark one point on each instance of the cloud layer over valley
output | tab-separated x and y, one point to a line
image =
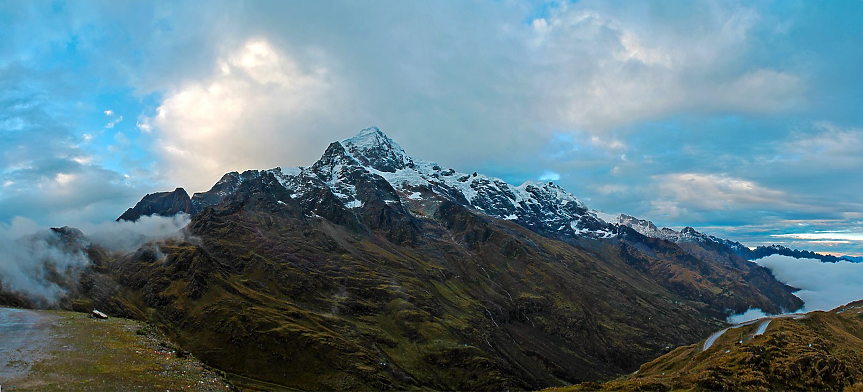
823	286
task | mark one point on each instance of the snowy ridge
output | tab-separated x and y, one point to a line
373	160
373	148
686	235
537	205
648	229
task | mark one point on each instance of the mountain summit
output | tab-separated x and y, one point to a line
161	204
372	156
371	269
374	149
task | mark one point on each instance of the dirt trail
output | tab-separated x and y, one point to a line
26	337
765	322
67	351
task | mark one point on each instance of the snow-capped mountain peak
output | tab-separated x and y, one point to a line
541	206
373	148
371	168
350	168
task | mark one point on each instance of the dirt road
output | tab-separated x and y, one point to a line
67	351
26	337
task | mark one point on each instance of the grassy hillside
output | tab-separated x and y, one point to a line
473	304
87	354
821	351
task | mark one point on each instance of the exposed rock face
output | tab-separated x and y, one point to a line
161	204
707	271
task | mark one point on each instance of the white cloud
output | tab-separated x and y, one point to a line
127	236
83	160
823	286
243	115
143	125
831	236
611	144
549	176
604	68
607	189
824	145
667	208
115	121
712	192
748	315
18	227
26	248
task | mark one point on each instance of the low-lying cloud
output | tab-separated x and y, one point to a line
823	286
36	262
750	314
125	236
28	262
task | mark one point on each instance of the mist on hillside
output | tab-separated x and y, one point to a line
31	255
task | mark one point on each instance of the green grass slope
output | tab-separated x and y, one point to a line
821	351
472	304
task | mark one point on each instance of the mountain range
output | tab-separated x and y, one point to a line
371	269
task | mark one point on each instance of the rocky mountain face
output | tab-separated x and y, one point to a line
690	236
161	204
764	251
373	270
686	236
371	160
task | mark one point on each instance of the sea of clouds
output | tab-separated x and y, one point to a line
823	286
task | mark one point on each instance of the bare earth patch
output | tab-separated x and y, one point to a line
57	350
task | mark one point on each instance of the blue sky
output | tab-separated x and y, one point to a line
741	119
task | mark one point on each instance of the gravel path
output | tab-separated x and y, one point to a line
26	337
68	351
765	322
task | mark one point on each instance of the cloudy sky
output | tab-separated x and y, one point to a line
741	119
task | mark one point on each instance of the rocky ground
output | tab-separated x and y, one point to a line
58	350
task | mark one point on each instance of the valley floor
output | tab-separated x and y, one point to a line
58	350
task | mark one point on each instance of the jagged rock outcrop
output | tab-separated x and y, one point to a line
161	204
